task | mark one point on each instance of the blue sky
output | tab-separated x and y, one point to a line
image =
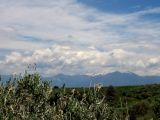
121	6
80	36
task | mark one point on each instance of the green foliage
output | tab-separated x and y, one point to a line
110	95
139	109
156	108
31	98
28	97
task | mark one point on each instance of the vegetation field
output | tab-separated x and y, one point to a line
29	98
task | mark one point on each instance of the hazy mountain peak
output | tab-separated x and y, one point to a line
115	78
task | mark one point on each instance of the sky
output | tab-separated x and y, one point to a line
86	37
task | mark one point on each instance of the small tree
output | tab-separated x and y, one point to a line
156	109
139	109
110	95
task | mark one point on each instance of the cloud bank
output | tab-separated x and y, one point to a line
68	37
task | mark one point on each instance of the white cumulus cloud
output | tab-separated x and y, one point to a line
65	36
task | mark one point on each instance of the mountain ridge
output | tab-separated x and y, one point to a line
114	78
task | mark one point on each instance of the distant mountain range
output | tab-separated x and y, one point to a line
114	78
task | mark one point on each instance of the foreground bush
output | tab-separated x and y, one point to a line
139	109
29	97
156	109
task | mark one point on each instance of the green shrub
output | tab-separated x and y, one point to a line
110	95
156	109
31	98
139	109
